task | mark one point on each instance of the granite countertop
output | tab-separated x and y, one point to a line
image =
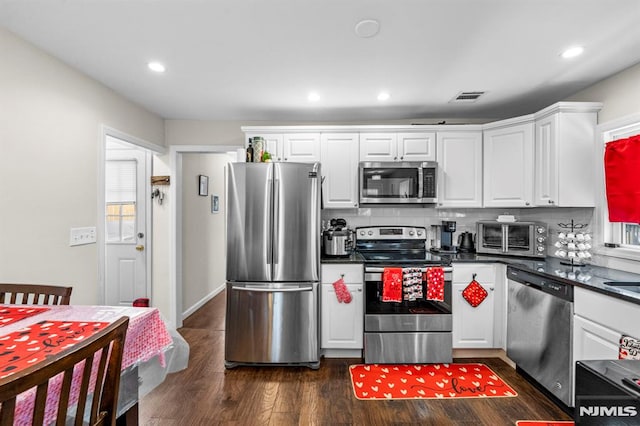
591	277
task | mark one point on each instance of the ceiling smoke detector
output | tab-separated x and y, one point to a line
467	97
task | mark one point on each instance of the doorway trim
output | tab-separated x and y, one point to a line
175	267
150	148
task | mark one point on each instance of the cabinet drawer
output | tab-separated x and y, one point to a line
351	273
613	313
464	273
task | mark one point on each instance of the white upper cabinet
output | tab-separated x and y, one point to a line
564	155
508	164
417	146
409	146
459	169
301	147
339	156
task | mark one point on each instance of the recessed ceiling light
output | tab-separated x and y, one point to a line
572	52
156	66
367	28
383	96
313	97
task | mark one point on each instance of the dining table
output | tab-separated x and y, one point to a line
151	349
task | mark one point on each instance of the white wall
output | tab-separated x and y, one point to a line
50	136
619	93
203	232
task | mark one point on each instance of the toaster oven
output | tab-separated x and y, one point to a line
512	238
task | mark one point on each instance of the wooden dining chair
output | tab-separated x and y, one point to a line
34	294
101	355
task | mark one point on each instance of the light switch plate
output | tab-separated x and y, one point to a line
80	236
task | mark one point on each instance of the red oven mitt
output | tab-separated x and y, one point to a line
392	285
435	284
474	293
342	292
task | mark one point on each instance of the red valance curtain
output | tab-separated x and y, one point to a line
622	179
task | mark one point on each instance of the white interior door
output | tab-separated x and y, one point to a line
126	251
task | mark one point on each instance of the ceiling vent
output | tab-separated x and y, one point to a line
467	96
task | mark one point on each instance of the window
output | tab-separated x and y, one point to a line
626	236
631	235
121	222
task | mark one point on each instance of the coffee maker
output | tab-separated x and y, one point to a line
446	236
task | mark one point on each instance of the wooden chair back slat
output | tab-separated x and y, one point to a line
30	294
109	343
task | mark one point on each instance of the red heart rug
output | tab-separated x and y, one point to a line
426	381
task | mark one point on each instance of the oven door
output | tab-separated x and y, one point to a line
520	239
390	183
416	331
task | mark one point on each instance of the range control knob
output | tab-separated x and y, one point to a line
419	233
370	233
361	232
411	232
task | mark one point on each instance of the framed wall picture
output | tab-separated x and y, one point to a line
215	204
203	185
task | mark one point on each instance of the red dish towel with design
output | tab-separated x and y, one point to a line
22	348
11	314
392	285
435	284
474	293
342	292
622	174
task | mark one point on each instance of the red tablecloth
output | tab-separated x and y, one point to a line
147	337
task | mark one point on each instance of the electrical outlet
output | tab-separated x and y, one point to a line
80	236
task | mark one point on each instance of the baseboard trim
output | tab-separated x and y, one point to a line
202	301
483	353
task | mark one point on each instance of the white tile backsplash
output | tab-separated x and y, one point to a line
465	218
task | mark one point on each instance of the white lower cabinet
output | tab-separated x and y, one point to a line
479	327
593	341
342	324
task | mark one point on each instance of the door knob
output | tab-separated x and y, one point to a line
140	247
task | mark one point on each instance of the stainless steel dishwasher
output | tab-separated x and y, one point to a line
539	331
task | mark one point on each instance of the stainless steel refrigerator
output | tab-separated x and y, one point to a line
273	264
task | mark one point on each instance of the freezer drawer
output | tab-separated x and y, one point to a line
271	324
407	348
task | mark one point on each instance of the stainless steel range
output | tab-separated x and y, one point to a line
410	331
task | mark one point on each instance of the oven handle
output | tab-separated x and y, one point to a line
374	269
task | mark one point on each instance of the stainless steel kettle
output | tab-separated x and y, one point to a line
466	242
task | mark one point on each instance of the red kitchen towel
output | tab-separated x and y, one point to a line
622	174
435	284
474	293
342	292
392	285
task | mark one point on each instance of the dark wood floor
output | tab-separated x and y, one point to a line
206	394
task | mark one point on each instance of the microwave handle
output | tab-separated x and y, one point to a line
505	238
420	182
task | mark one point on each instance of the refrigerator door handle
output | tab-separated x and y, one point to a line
275	222
274	290
270	222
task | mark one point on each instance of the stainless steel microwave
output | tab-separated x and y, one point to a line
398	182
512	238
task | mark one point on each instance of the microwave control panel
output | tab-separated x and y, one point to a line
429	182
